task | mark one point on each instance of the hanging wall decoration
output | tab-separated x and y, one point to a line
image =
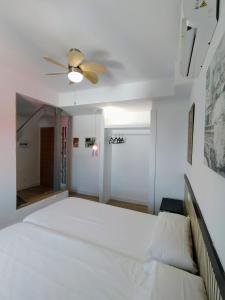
95	150
24	144
214	146
117	140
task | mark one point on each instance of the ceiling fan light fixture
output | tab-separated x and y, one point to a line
78	68
75	75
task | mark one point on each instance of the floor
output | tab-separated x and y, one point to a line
87	197
128	205
33	194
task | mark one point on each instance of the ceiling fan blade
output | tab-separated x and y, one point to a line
91	77
56	73
75	57
55	62
93	67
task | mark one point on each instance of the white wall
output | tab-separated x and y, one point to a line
130	167
168	146
105	165
208	186
116	117
120	92
85	168
28	159
10	84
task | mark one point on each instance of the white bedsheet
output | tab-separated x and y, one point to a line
36	264
122	230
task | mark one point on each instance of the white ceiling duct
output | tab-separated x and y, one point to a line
198	26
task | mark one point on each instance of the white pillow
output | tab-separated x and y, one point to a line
171	242
173	284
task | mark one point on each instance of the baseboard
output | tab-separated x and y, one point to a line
28	186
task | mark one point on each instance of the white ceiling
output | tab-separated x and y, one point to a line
136	39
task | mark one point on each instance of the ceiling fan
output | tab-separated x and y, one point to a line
76	70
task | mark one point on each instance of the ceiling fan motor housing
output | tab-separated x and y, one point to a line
75	57
74	50
74	69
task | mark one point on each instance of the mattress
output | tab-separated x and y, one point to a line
39	264
121	230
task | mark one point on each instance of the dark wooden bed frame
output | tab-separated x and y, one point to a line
210	267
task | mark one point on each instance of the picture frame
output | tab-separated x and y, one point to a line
191	117
75	142
214	138
89	142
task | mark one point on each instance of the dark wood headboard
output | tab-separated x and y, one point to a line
210	267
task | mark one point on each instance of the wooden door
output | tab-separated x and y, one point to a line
47	156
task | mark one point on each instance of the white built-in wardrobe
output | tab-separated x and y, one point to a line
125	166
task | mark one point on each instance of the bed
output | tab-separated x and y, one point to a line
36	263
39	264
134	245
124	231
